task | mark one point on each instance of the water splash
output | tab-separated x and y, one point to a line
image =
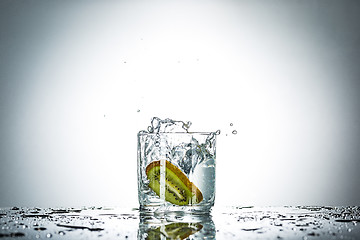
168	125
193	153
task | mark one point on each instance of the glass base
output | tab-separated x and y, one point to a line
170	209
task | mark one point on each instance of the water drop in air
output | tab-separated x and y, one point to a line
231	124
150	129
234	132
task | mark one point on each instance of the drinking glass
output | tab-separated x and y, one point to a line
176	171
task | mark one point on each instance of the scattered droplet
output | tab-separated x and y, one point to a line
79	227
15	234
231	124
313	234
251	229
49	235
40	228
218	132
234	132
138	110
187	125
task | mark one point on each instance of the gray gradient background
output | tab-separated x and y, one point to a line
74	75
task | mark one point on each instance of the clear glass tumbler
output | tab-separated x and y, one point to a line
176	171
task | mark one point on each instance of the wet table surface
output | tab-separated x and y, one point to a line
300	222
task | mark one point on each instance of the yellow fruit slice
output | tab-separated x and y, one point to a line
178	188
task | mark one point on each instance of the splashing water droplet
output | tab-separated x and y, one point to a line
187	125
138	110
234	132
218	132
231	124
150	129
168	125
49	235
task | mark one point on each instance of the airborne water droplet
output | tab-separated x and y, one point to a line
217	132
150	129
234	132
231	124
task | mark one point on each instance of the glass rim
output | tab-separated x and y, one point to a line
190	133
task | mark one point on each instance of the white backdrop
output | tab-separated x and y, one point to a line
80	79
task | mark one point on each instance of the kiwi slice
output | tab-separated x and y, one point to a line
178	188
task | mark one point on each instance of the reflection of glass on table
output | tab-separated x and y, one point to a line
176	227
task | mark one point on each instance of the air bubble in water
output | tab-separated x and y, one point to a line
49	235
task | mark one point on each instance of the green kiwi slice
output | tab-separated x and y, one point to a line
178	188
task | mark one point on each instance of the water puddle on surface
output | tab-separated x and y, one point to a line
248	222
